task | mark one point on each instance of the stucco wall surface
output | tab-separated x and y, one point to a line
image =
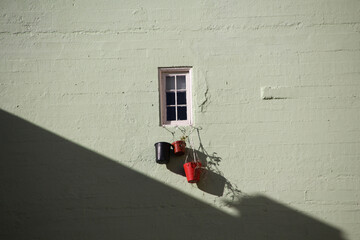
276	107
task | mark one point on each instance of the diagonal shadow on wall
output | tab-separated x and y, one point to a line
51	188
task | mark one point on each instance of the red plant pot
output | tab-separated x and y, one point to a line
192	171
179	148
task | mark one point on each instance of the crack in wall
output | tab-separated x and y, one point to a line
206	102
203	105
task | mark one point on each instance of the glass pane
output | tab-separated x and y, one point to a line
170	114
170	98
181	82
182	115
170	83
181	97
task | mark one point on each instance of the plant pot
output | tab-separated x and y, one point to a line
192	171
179	148
162	152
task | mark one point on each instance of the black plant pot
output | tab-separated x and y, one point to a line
162	152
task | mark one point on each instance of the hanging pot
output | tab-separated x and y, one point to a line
162	152
192	171
179	148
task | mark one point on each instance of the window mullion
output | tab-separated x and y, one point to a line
163	94
188	97
176	112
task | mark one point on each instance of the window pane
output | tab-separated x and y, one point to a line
180	82
170	98
182	113
170	114
181	97
170	83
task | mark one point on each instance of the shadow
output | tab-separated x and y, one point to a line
51	188
264	218
211	182
176	163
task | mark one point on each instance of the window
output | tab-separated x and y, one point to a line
175	96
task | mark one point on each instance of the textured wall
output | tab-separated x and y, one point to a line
276	100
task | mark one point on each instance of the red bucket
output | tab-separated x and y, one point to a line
192	171
179	148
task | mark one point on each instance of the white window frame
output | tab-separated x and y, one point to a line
173	71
